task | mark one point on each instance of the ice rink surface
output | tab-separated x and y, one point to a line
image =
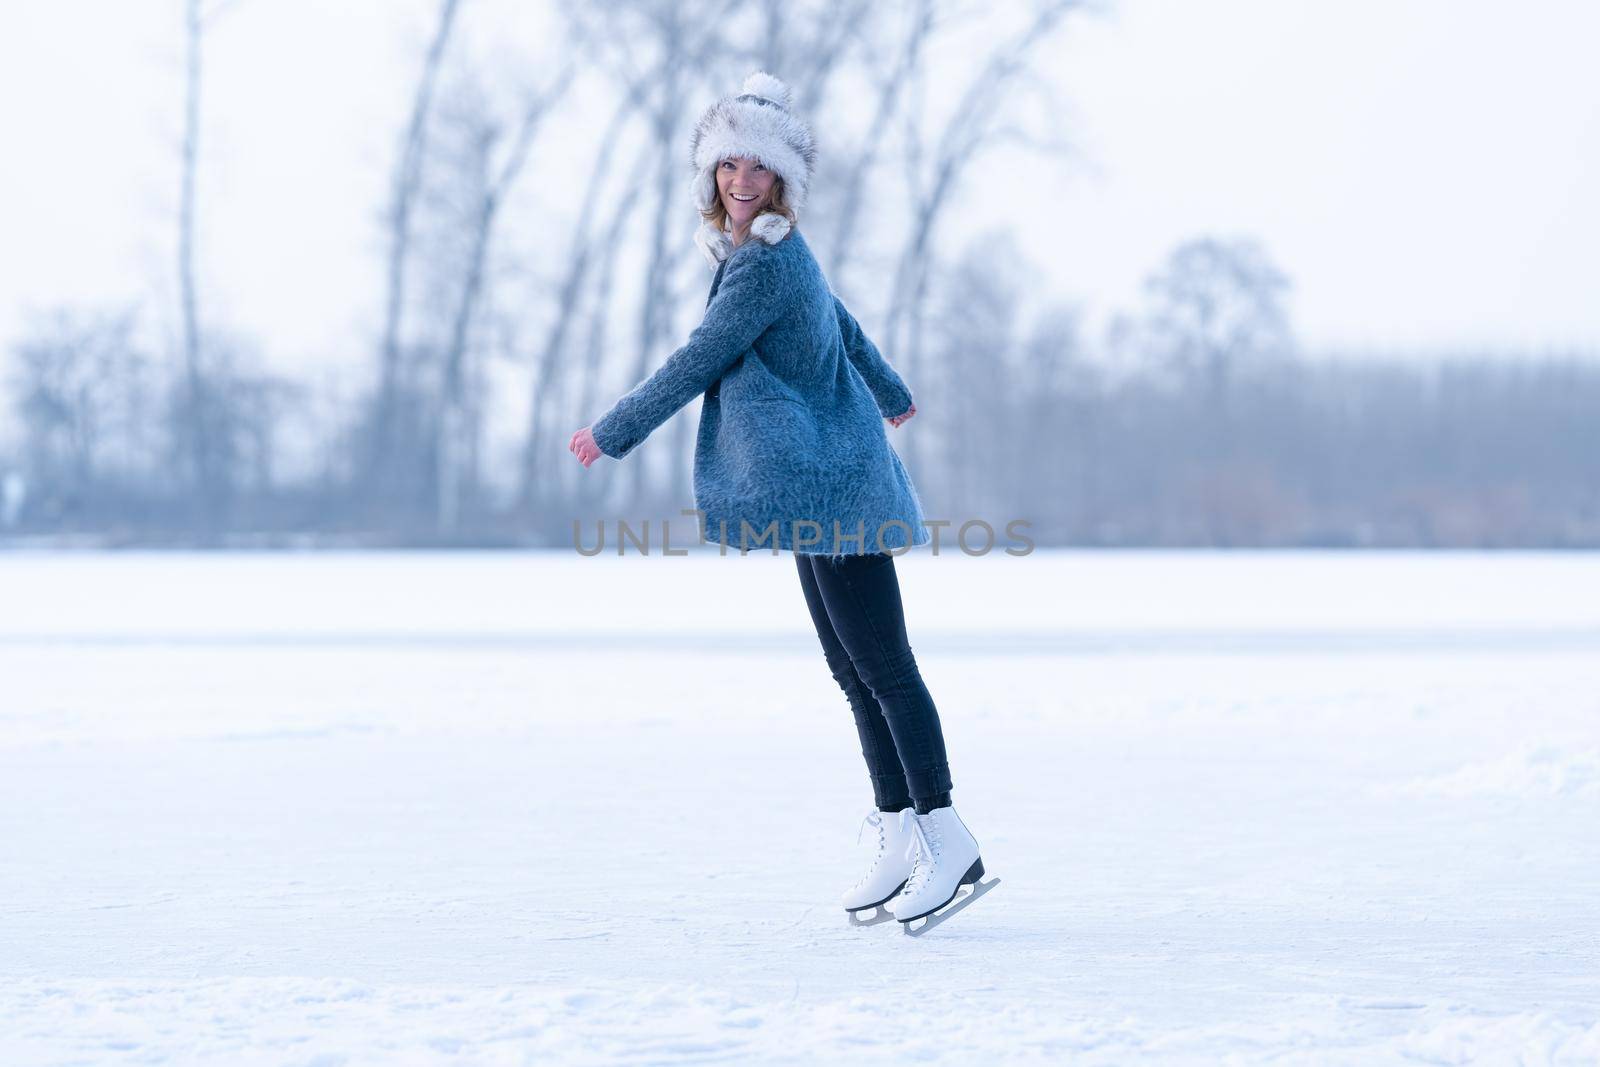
519	808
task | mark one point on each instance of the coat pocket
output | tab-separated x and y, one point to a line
778	436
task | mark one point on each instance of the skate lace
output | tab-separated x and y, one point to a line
873	818
923	849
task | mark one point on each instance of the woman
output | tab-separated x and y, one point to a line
792	452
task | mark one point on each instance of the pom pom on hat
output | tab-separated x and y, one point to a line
767	87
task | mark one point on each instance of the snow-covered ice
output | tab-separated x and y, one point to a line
516	808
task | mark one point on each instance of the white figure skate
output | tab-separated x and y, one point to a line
891	866
946	858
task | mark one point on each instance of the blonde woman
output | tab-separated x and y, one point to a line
792	452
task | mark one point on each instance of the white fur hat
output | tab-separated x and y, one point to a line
756	124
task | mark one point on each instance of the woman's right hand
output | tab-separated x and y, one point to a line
582	445
898	419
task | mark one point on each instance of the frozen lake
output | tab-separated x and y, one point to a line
509	808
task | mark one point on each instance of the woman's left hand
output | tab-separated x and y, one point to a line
898	419
582	445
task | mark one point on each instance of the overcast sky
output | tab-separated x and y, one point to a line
1424	170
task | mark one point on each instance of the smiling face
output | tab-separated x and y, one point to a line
745	188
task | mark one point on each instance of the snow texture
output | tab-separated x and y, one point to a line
439	809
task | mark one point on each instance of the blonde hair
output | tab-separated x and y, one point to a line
777	204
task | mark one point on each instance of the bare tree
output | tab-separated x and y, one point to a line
807	43
190	155
1058	421
1215	305
198	448
491	180
553	360
976	123
405	184
852	167
78	386
688	44
975	348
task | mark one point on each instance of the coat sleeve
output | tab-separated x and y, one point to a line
887	389
752	296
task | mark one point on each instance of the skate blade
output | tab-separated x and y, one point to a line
881	907
883	915
934	918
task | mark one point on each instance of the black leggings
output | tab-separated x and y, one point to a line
855	604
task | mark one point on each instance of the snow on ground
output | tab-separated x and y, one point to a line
515	808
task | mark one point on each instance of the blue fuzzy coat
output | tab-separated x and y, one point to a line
791	428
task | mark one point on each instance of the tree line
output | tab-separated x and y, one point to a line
1194	418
